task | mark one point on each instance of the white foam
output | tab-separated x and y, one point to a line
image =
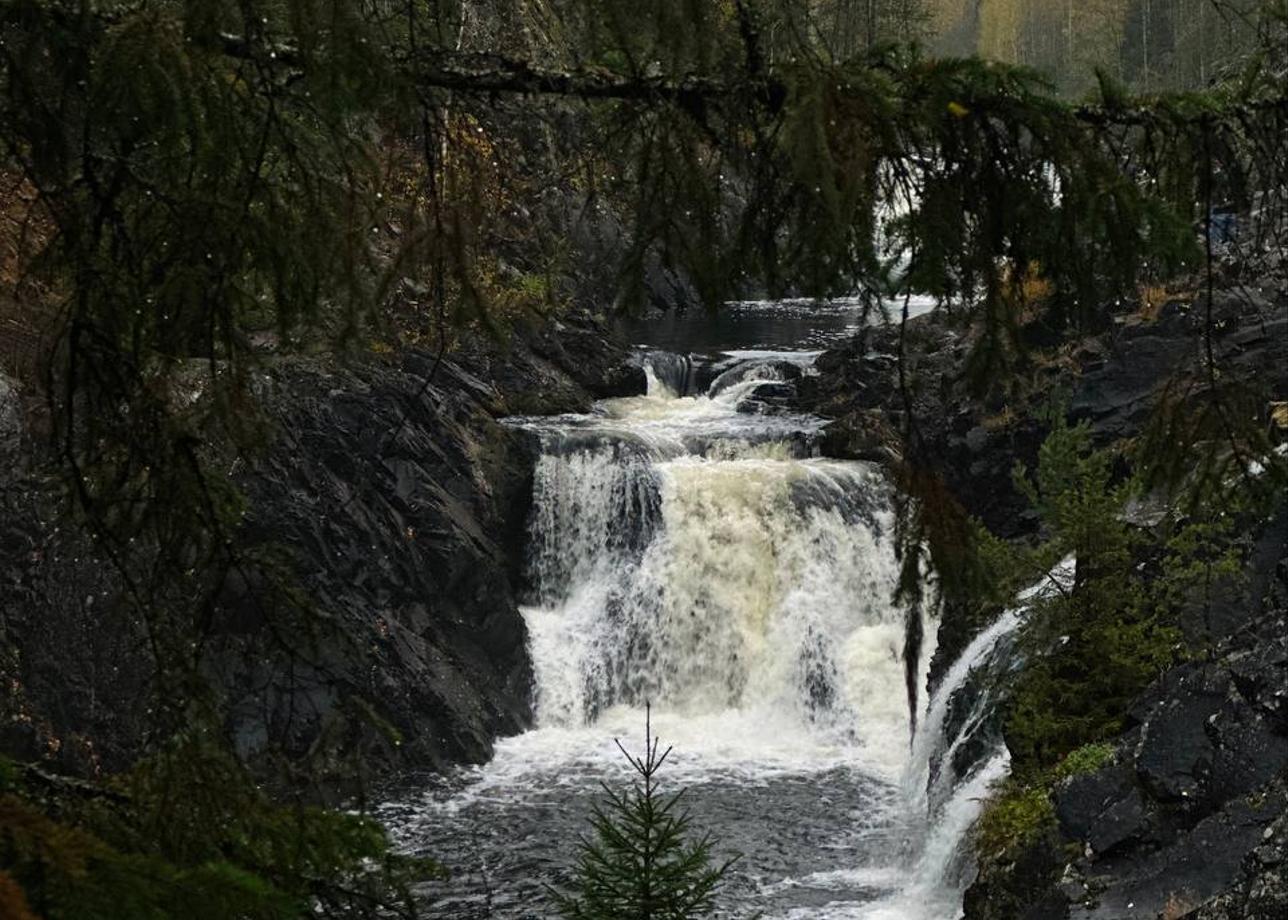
930	732
757	593
931	889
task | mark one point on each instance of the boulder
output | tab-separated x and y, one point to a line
768	398
1105	808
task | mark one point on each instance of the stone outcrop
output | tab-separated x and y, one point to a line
975	439
1189	818
395	499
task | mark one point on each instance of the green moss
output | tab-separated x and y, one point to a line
1087	759
1018	815
1020	812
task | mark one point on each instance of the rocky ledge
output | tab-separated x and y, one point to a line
1189	820
1112	381
394	497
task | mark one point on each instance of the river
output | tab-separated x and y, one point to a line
689	550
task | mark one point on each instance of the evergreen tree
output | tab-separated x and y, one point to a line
642	862
1098	640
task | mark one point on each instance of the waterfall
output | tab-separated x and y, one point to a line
689	551
961	716
739	580
671	375
931	750
749	581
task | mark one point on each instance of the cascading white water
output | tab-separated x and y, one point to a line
754	584
930	747
697	557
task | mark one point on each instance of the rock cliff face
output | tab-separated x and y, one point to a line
1112	381
390	491
397	502
400	505
1189	819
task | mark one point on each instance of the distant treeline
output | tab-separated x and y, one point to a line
1148	44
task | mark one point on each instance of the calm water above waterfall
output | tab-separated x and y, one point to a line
696	556
758	324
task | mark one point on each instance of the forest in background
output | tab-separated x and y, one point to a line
1149	45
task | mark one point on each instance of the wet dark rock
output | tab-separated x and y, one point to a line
1027	885
860	437
402	507
768	398
1250	750
543	369
1189	819
1142	883
10	426
1139	858
1104	808
1262	891
395	501
1118	388
974	446
774	391
707	369
1174	754
1254	673
678	373
599	236
741	371
1124	821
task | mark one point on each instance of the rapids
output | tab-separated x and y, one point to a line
699	558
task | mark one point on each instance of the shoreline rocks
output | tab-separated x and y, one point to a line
396	503
1189	820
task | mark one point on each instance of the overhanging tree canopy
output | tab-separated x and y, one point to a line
204	169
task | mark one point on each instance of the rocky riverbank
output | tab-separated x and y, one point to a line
388	490
1188	819
395	500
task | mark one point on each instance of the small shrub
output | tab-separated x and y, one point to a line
1098	642
1078	693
